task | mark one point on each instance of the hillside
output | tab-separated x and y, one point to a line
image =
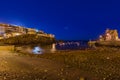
27	39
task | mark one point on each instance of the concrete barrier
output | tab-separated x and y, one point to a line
9	48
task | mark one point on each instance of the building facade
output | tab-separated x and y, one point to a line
109	35
7	31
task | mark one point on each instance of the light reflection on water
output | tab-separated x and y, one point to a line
55	47
41	50
37	50
65	46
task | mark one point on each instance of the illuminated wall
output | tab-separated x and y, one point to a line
2	30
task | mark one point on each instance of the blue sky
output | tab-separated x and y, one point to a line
67	19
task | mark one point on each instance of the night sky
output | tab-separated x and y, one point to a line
67	19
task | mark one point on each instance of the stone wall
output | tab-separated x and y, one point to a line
8	48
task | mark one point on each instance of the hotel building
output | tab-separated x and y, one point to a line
7	31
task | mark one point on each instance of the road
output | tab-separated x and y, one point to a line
15	67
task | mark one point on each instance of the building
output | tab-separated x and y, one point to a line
7	31
5	28
109	35
31	31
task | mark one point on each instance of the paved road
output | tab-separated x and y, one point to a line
14	67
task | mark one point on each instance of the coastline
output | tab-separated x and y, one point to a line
100	63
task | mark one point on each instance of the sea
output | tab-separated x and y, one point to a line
72	45
59	46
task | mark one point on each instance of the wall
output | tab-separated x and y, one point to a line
8	48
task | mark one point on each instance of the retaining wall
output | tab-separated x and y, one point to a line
10	48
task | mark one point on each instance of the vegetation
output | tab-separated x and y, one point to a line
102	63
28	39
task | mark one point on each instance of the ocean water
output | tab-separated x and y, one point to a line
67	45
72	45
